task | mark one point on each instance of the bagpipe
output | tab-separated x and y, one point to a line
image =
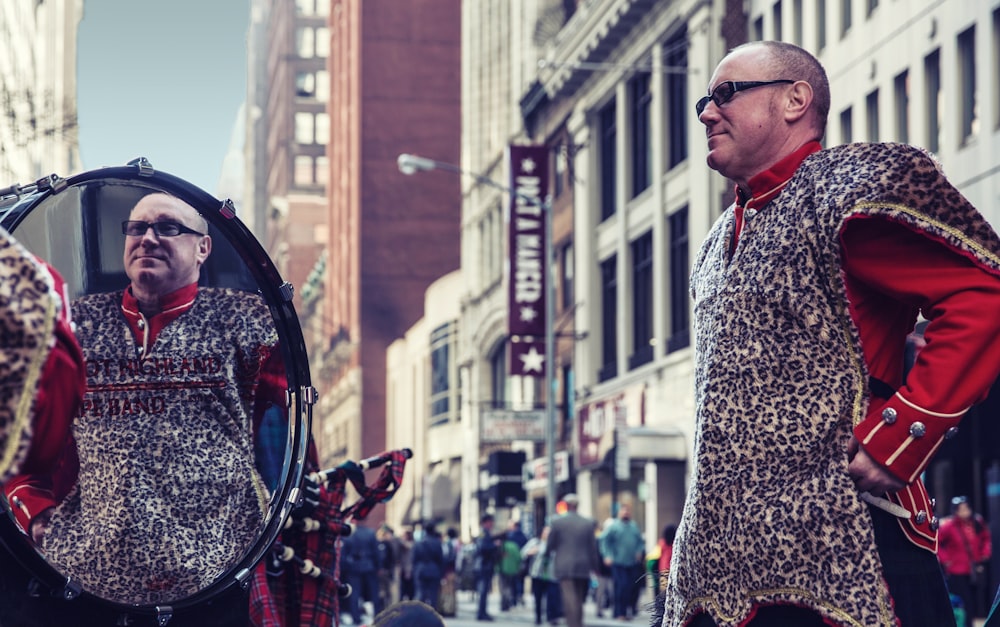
303	566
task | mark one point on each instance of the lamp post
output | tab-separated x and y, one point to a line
411	164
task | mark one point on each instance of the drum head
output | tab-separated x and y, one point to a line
187	450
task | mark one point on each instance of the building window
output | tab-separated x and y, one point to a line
558	153
901	87
322	128
677	226
305	7
967	85
758	29
304	174
872	5
323	42
641	145
322	86
846	124
609	162
304	127
776	19
322	170
609	319
568	287
932	81
797	22
678	107
305	85
499	376
642	301
871	112
442	372
845	17
820	25
305	42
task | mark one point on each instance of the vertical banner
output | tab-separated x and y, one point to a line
527	288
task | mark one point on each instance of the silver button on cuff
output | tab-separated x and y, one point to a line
918	429
950	433
935	523
889	415
921	517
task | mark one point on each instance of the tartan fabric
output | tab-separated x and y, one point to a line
263	609
314	602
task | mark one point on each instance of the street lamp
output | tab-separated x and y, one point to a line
411	164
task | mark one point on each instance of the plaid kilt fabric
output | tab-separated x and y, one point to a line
294	599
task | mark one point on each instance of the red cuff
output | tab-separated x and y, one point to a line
903	437
27	500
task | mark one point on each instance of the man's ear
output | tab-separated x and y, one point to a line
800	98
204	249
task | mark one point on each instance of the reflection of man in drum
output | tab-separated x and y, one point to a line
167	496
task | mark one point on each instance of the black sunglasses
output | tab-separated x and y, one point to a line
166	228
725	91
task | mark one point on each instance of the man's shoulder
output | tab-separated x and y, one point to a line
231	296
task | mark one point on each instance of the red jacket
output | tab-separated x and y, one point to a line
963	543
955	369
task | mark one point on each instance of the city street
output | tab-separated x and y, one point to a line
524	615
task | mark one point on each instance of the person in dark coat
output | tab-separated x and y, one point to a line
359	558
428	566
487	555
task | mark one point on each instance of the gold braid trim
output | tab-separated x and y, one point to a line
22	414
888	617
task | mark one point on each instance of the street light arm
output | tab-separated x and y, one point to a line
411	164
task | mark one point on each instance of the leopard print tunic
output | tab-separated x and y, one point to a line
167	497
771	514
29	308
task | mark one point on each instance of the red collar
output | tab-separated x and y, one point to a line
767	184
145	331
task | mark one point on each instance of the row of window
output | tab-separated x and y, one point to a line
644	337
845	15
967	120
677	113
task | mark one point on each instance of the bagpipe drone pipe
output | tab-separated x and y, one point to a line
303	566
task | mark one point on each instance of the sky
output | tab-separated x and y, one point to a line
163	79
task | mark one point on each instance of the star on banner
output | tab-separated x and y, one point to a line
528	165
532	360
528	314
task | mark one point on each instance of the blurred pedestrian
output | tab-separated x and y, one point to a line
359	557
544	586
964	549
385	565
573	540
404	561
510	572
515	533
428	566
623	548
486	559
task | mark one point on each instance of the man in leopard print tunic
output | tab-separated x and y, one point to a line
166	496
805	506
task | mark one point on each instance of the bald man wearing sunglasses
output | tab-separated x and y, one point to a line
806	506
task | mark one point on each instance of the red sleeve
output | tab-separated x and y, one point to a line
50	467
961	359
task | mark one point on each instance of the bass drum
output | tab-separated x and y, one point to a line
186	455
